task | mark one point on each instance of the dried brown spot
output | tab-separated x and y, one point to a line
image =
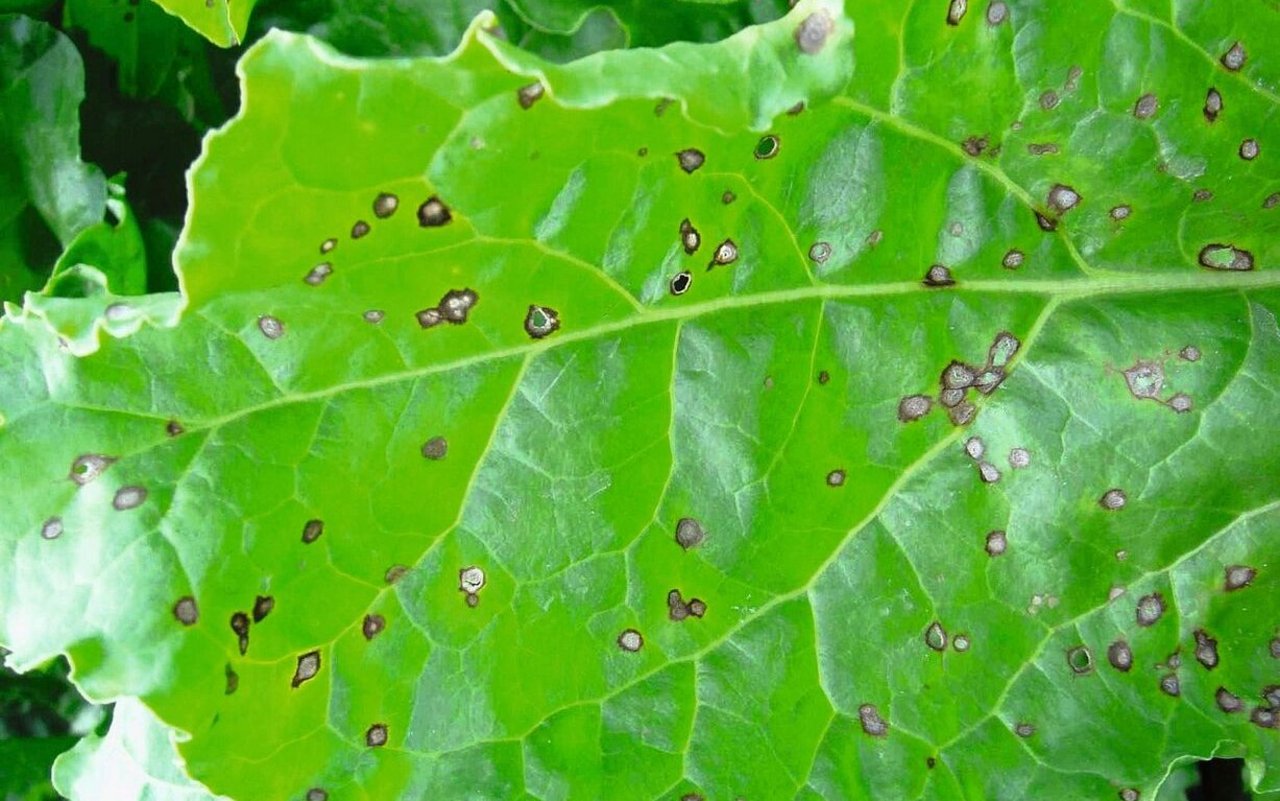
997	543
1206	649
811	34
376	736
308	667
691	159
262	606
1212	105
529	94
433	213
1238	577
913	407
956	11
1120	655
395	573
360	229
689	533
871	721
974	145
185	611
372	626
435	448
1227	701
1146	106
385	204
1234	58
456	304
630	640
312	530
1150	609
938	276
1113	500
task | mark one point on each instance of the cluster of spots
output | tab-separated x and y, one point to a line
975	146
630	641
1238	577
1145	381
812	32
376	735
689	533
453	308
541	321
307	669
1038	601
956	381
871	721
1080	660
1217	256
471	581
1113	500
529	94
240	625
372	626
678	609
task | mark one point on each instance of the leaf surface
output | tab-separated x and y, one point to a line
600	539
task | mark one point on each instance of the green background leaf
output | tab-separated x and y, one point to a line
1118	455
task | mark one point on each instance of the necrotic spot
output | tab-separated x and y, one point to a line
52	528
1202	196
1003	348
1149	609
913	407
728	197
1042	148
456	304
1145	379
373	316
372	626
1264	717
328	245
956	11
690	239
988	472
385	204
1120	212
975	447
1212	105
690	159
1180	403
1169	685
951	397
823	377
185	610
871	721
435	448
962	414
360	229
680	282
1190	353
312	531
726	253
997	543
1012	260
433	213
1113	500
835	478
1225	257
958	375
128	498
960	642
1249	149
308	667
935	636
938	276
429	318
240	623
812	32
1271	201
689	533
767	147
530	94
1049	100
697	607
318	274
1019	458
1146	106
1080	660
1024	729
630	641
262	606
270	327
395	573
88	467
1206	649
1120	655
233	681
173	428
1046	224
1227	701
316	794
541	321
997	13
1234	58
1238	576
1129	794
376	736
471	579
1063	198
819	252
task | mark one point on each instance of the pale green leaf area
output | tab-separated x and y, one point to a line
47	194
942	467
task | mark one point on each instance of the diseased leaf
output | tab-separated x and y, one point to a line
47	194
826	413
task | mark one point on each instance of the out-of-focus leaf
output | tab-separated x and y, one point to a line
870	405
47	194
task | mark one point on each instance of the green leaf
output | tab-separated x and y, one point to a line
220	21
47	194
599	539
156	55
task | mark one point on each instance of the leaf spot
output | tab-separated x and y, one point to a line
270	327
308	667
630	641
1170	686
1206	649
318	274
956	11
726	253
1227	701
819	252
935	636
1113	500
262	606
767	147
471	580
962	413
374	316
328	245
812	33
316	794
690	159
360	229
1146	107
835	478
997	13
1225	257
1049	100
938	276
1120	655
52	528
456	304
1234	58
128	498
312	531
1013	259
1024	730
1080	660
1063	198
233	681
541	321
185	611
1249	149
690	239
173	428
1180	403
1019	458
872	723
689	533
1150	608
997	543
913	407
1145	379
1238	577
960	642
395	573
376	736
1121	212
1212	105
529	94
385	204
988	472
88	467
372	626
433	213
